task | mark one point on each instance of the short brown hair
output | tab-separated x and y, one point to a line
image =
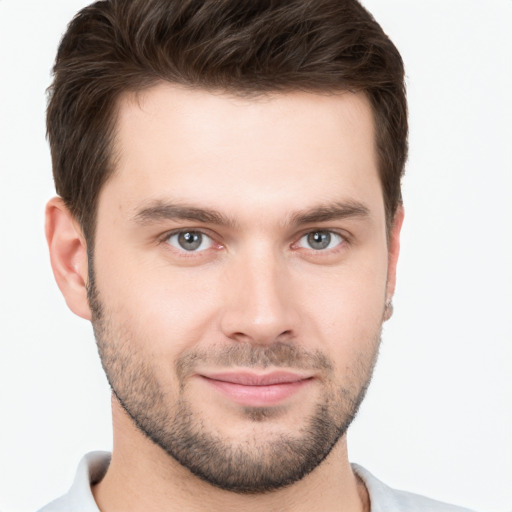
237	46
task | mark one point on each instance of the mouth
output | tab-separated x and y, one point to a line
257	390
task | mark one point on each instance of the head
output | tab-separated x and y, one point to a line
230	184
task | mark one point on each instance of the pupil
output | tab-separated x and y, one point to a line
190	240
319	239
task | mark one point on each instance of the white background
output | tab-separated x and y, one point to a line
438	418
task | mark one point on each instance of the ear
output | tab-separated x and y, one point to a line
393	252
68	256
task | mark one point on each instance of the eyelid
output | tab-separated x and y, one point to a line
345	239
176	231
164	238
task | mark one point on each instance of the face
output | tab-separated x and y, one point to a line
240	275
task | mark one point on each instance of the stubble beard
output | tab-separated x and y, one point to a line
256	465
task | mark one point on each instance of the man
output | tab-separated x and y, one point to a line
228	218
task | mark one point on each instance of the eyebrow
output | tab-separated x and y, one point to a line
160	210
332	211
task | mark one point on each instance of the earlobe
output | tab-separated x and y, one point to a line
68	256
393	252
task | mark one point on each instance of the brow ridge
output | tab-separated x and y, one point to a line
160	210
170	211
331	211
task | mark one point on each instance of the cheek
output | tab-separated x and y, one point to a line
353	294
164	309
169	310
344	310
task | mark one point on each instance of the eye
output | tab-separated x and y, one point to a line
190	241
320	240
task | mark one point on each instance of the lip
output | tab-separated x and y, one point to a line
257	390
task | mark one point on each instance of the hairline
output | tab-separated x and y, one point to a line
135	94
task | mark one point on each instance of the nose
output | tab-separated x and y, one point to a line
259	305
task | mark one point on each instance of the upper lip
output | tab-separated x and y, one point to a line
246	378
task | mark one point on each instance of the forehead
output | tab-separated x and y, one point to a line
222	150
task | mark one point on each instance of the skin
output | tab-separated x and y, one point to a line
268	166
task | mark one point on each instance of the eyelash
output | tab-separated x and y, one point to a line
183	252
343	241
331	234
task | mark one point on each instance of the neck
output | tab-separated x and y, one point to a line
141	476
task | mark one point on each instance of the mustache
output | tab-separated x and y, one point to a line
278	354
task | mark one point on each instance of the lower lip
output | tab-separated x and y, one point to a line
258	396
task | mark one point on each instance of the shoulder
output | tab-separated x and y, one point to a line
384	498
79	498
